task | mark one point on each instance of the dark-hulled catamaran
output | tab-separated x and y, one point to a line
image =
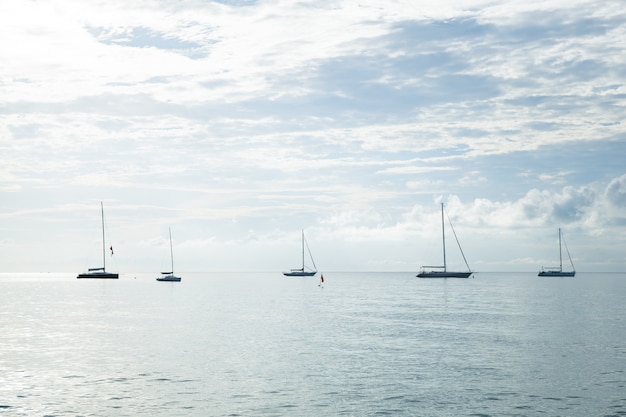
100	272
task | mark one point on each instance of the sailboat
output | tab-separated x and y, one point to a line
558	272
442	271
100	272
301	272
169	276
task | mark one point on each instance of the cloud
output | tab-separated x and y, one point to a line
616	192
351	119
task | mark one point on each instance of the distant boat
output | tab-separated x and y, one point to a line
558	272
169	276
302	272
100	272
442	271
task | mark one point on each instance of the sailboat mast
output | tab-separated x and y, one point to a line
104	262
171	250
443	234
303	249
560	253
568	255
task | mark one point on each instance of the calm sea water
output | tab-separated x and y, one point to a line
367	344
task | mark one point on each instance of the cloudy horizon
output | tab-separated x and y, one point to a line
239	123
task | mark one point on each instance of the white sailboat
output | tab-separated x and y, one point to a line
558	272
442	271
169	276
100	272
303	272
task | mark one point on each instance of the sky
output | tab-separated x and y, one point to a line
238	124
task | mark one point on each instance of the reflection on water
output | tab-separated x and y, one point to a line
267	345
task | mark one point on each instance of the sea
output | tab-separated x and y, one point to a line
363	344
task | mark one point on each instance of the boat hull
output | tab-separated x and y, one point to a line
169	278
558	271
442	274
98	275
300	274
100	272
556	274
441	271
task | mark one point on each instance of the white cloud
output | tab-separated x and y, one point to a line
616	192
349	119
